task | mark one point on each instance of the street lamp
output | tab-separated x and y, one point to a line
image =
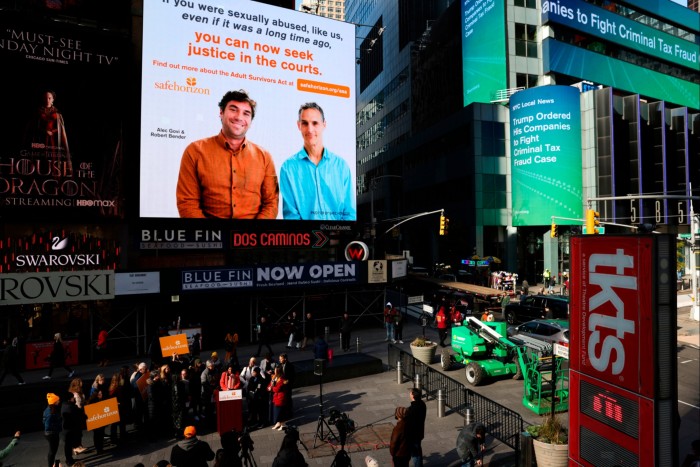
373	220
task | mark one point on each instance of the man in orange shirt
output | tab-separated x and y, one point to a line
227	176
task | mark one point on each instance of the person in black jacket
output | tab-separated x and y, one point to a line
471	444
264	335
191	451
74	420
58	357
289	455
345	330
10	361
415	426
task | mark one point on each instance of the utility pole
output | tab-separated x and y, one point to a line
695	307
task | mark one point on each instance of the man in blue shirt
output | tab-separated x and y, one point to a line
315	183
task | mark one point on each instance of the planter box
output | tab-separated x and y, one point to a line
551	455
424	354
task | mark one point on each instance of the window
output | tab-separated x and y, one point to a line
525	40
523	80
526	3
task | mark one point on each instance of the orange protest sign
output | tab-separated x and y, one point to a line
102	413
177	344
142	383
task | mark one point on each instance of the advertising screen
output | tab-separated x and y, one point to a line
63	106
545	132
483	49
195	52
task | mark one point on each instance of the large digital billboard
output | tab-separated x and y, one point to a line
195	52
545	144
64	105
483	49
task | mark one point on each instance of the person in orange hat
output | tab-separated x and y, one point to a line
191	451
52	425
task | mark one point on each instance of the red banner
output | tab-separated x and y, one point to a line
37	353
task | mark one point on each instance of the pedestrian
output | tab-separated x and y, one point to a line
53	424
10	361
181	403
257	399
441	320
309	330
293	330
279	398
545	277
289	454
693	458
552	283
196	347
231	348
6	451
290	374
210	383
471	444
345	331
456	317
191	451
320	349
76	389
139	403
415	426
101	348
73	426
228	455
264	335
505	301
247	372
120	388
58	357
99	391
525	289
399	446
398	326
389	322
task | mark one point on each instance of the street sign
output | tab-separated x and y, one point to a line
601	230
416	299
561	351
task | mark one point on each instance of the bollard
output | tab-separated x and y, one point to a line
399	372
357	345
416	382
469	416
441	403
327	332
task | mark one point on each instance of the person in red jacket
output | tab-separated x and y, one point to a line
441	319
279	398
230	379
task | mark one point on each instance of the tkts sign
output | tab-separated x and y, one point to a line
614	299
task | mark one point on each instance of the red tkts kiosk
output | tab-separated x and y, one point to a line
229	410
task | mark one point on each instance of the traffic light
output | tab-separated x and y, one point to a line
443	225
555	231
592	221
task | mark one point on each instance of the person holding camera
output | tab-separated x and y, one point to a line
471	444
289	454
229	454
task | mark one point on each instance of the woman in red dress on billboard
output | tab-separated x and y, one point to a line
49	132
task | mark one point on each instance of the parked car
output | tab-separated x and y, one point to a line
554	331
538	307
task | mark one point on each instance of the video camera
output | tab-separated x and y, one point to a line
245	441
343	423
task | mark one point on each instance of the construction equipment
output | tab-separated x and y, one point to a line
545	376
482	347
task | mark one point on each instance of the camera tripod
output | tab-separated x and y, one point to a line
322	418
247	459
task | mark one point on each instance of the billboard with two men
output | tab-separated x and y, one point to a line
248	112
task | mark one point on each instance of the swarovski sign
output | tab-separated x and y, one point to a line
48	287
